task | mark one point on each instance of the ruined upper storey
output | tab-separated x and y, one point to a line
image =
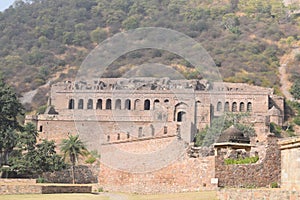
146	83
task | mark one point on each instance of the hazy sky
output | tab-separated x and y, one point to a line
5	4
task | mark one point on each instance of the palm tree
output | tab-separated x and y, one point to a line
72	148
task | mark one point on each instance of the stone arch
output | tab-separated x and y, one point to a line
147	104
108	104
226	106
249	107
138	104
234	107
90	104
127	104
118	104
99	104
219	106
242	107
156	104
180	107
71	104
80	104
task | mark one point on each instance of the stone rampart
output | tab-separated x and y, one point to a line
186	174
260	174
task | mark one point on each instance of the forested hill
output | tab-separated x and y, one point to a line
48	39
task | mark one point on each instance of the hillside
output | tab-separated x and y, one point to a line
43	40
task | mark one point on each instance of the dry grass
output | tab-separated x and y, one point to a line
211	195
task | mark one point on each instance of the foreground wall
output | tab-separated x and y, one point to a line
260	174
29	186
186	174
258	194
290	163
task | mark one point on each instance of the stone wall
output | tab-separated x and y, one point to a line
52	189
83	175
186	174
290	163
29	186
20	189
258	194
260	174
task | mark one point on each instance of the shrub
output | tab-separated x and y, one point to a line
274	128
249	160
90	160
274	185
297	120
40	180
297	57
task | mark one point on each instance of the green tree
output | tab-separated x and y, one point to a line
36	160
10	109
98	35
209	135
72	148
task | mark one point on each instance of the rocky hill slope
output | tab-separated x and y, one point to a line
43	40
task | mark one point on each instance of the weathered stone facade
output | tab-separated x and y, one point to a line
185	174
122	110
83	175
261	174
143	127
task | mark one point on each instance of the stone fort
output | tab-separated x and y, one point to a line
141	116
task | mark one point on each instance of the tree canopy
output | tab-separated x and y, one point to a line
10	109
72	148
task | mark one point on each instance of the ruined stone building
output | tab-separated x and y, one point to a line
142	127
132	109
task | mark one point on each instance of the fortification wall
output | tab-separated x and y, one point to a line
260	174
178	175
184	174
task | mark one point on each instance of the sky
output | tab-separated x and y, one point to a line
5	4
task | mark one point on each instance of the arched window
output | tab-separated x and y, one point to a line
71	103
108	138
180	116
118	104
138	104
242	107
127	104
128	135
119	136
90	104
80	104
156	103
219	106
108	104
234	107
249	107
166	100
99	104
147	104
226	107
